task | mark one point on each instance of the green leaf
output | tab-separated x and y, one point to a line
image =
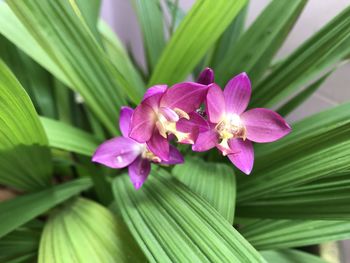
257	46
229	38
177	14
71	45
326	198
66	137
215	182
119	56
323	50
150	18
302	96
199	30
290	256
84	231
13	29
25	161
302	156
26	207
89	11
172	224
277	234
22	242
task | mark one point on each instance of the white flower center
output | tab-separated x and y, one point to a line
230	127
147	154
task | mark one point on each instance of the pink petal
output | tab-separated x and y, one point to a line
264	125
205	141
118	152
169	114
206	77
243	158
142	123
195	124
237	94
139	171
125	119
159	146
175	156
187	96
215	103
157	89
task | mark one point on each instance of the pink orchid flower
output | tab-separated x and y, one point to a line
232	129
123	152
160	111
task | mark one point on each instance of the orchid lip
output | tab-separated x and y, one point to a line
231	126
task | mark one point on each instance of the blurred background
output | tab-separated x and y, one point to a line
335	90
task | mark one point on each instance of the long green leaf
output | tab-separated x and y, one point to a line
65	137
302	156
229	38
290	256
323	50
215	182
84	231
118	55
25	161
297	100
17	211
257	46
171	223
150	18
71	45
277	234
199	30
22	242
12	28
326	198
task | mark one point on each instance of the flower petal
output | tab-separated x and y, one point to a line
243	156
159	146
175	156
139	171
157	89
169	114
194	125
206	77
118	152
264	125
142	123
125	119
215	103
237	94
205	141
187	96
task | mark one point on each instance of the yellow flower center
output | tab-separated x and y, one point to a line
230	127
147	154
166	127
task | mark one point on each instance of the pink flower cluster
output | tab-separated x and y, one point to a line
165	113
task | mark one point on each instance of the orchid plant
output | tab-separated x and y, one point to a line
217	174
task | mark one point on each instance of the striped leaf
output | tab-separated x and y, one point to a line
84	231
25	161
323	50
257	46
198	31
280	166
70	44
277	234
215	182
151	18
171	223
298	99
26	207
66	137
290	256
21	243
